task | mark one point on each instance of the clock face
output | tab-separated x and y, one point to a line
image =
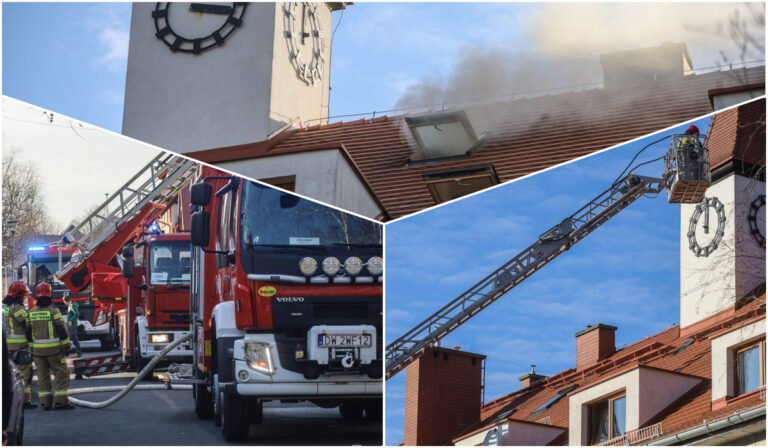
305	40
196	27
756	219
706	227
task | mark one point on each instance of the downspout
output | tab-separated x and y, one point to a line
711	427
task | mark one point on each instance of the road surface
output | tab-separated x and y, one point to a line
167	417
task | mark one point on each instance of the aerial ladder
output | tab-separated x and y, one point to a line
100	237
686	178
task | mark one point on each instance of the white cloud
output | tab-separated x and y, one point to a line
111	23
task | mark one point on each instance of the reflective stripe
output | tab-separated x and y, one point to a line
43	341
38	345
60	392
43	393
6	311
50	329
65	341
27	389
16	336
21	311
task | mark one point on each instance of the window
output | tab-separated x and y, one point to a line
452	184
750	367
560	394
442	135
607	419
169	263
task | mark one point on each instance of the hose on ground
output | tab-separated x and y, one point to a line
162	386
125	389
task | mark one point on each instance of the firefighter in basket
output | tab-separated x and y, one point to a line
690	141
47	333
15	318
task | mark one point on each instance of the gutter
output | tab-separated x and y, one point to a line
711	427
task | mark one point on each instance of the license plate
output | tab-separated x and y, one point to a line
344	340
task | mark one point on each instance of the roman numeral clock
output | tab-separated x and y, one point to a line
207	26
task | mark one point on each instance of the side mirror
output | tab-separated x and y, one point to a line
19	274
200	193
143	287
128	267
201	228
128	252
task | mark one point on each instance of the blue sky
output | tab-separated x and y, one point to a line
71	57
626	273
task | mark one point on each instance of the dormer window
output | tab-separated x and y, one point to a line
608	419
441	136
750	368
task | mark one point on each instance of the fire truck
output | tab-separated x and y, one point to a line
122	254
286	304
96	316
157	269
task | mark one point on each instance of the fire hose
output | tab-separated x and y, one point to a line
133	384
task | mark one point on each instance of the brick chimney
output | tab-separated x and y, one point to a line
530	378
645	65
443	390
593	344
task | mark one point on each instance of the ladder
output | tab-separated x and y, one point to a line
157	182
686	168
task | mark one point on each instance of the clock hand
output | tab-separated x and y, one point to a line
210	8
706	219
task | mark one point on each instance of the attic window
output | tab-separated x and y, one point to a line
442	135
560	394
684	346
452	184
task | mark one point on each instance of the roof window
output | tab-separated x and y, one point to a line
560	394
442	135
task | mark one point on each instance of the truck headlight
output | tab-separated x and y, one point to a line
258	356
331	266
308	266
375	265
353	265
160	338
101	317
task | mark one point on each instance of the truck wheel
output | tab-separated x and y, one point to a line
351	410
373	409
235	418
203	398
140	362
108	341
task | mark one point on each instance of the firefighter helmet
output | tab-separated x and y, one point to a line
43	290
17	289
693	129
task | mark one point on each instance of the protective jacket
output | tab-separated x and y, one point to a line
46	329
15	317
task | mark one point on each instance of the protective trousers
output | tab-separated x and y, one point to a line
25	369
56	364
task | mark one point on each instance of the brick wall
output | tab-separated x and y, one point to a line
442	396
593	344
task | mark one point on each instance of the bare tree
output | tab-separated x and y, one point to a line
23	201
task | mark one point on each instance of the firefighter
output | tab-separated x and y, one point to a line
47	333
690	138
15	316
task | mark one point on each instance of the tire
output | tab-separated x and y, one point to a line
373	410
203	398
351	410
108	342
235	418
140	361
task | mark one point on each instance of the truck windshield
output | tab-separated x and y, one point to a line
41	269
169	263
271	217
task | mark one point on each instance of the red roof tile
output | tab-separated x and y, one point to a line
526	135
660	351
738	134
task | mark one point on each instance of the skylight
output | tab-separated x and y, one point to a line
447	134
560	394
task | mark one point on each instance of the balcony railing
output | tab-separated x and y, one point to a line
636	436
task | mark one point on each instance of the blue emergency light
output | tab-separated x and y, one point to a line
154	227
36	248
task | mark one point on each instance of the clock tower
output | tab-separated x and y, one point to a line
722	251
207	75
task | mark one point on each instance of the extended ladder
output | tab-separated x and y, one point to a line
686	178
158	182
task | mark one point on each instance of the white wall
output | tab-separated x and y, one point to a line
323	175
725	100
722	356
225	96
709	285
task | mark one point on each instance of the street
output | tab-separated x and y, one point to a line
167	417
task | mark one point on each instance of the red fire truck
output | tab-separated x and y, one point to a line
286	303
158	271
96	315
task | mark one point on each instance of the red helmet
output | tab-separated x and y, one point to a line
693	129
43	290
17	289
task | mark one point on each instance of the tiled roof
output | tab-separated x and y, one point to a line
739	134
662	351
526	135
